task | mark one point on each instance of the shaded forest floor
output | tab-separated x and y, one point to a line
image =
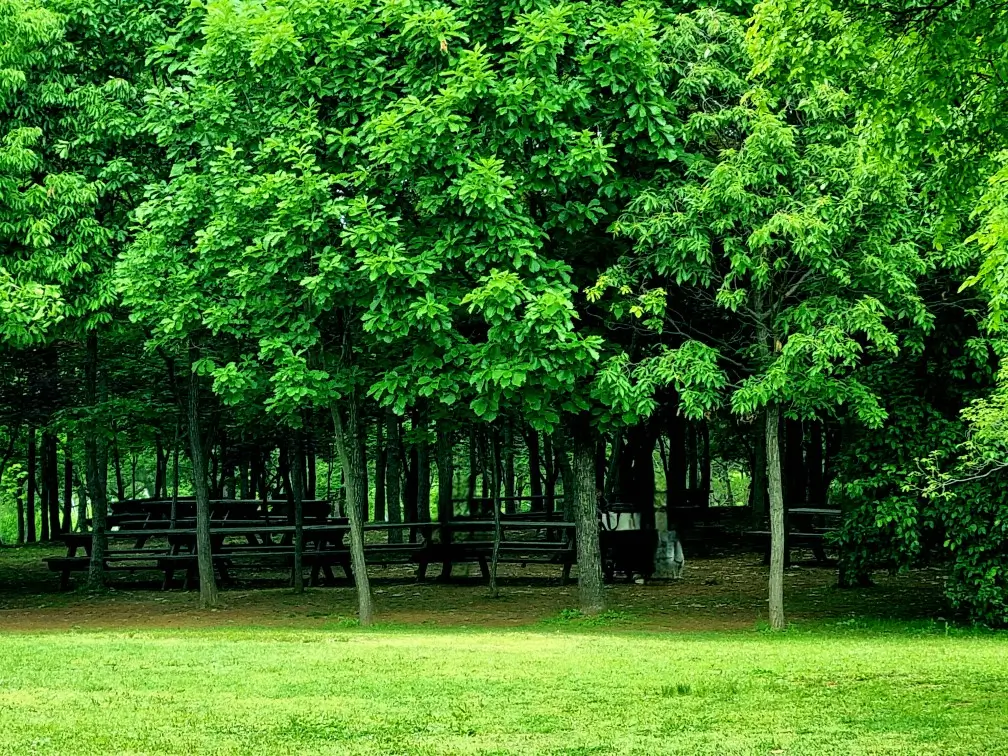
720	593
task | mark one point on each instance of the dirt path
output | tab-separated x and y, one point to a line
715	594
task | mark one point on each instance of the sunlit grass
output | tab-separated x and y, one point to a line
394	691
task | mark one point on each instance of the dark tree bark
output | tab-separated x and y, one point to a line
692	452
423	476
347	433
759	479
311	480
244	477
297	491
393	471
509	470
535	469
160	468
473	471
204	557
175	472
582	494
411	484
32	485
705	463
95	466
381	472
552	473
45	491
52	452
601	464
496	485
20	503
776	518
68	478
117	466
445	461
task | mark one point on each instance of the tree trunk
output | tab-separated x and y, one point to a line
582	496
20	514
347	433
52	451
95	468
297	490
204	557
549	500
759	480
393	471
473	468
410	484
46	490
82	503
175	473
381	472
776	518
692	451
535	470
445	461
496	484
32	486
311	482
68	478
705	464
117	466
423	479
160	468
509	471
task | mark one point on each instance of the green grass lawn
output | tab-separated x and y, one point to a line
555	691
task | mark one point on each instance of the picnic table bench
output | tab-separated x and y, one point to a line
809	527
156	544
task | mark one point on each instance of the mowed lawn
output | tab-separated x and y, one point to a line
392	691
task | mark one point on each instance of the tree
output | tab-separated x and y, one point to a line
809	247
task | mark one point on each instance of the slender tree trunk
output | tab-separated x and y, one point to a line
776	518
82	503
423	480
445	461
583	500
393	471
509	471
535	470
117	466
20	514
496	484
473	471
347	433
95	467
705	463
204	557
759	479
52	450
175	472
160	468
311	482
381	471
46	490
549	458
297	486
693	450
68	478
32	485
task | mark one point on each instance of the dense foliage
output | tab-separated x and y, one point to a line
575	236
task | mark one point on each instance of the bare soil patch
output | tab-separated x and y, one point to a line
720	593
